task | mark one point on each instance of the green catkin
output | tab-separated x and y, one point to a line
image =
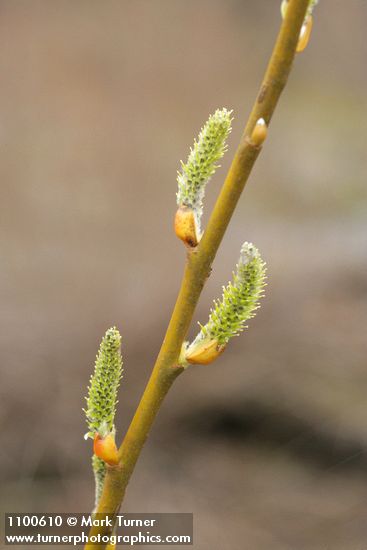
104	384
201	164
240	299
102	398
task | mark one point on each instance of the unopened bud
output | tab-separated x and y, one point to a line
305	34
283	7
259	133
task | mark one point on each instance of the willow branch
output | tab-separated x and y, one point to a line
198	267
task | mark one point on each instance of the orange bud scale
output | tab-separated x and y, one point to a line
205	353
105	448
186	227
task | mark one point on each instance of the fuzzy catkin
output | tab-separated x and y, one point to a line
240	299
102	398
201	164
104	384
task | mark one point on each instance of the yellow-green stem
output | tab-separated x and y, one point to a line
198	268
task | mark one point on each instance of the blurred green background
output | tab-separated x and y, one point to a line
98	103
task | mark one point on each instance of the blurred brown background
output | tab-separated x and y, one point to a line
99	102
